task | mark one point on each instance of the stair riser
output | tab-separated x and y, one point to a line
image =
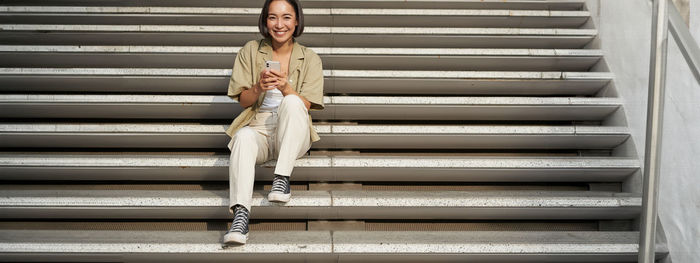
462	4
309	20
227	111
355	212
218	85
351	62
328	141
309	39
321	174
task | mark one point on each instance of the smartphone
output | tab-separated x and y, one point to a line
270	65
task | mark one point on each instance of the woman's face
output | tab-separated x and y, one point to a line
281	21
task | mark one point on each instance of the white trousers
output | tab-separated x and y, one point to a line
282	135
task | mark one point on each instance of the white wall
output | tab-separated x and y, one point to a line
679	189
625	32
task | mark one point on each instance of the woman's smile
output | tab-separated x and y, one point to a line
281	21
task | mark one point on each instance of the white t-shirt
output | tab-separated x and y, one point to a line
273	99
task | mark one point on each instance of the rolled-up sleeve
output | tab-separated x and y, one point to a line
312	86
241	76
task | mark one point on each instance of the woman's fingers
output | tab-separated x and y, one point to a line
277	74
271	84
272	79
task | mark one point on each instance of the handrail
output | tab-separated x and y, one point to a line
652	148
664	13
689	48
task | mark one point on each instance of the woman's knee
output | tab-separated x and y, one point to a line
293	101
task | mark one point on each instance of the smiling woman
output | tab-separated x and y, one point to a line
275	123
279	14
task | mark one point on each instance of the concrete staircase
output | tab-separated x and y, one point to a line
454	131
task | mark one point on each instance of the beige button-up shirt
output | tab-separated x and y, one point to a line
305	76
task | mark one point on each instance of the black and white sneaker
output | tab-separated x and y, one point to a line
238	233
280	189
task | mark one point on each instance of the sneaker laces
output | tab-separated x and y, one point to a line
280	184
240	220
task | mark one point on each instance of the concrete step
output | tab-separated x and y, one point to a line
444	4
312	225
19	202
333	58
337	107
403	37
334	136
323	246
312	16
171	167
181	80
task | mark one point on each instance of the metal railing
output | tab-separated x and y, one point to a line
681	34
664	13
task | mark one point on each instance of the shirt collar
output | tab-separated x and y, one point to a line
294	61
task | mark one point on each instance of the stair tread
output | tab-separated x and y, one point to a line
382	100
66	198
183	128
336	204
319	50
308	30
184	241
196	72
477	242
62	166
307	11
337	107
164	160
451	4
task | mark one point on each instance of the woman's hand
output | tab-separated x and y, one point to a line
279	81
267	81
270	80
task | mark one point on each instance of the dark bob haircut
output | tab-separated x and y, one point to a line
262	22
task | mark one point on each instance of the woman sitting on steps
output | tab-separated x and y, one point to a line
275	123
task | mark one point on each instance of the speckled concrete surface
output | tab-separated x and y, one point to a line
484	242
425	100
114	128
585	129
183	128
452	100
535	199
155	99
59	241
443	74
450	129
39	160
321	242
312	30
119	49
588	75
117	71
318	50
146	198
485	162
75	197
143	161
595	101
164	72
308	11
